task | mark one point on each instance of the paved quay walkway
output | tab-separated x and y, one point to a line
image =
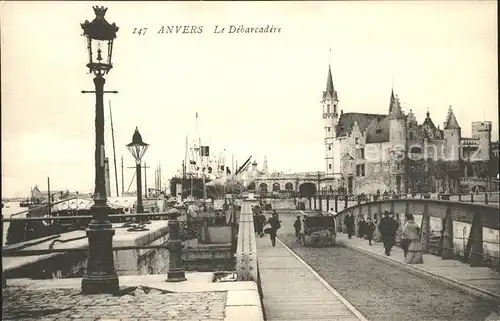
142	298
480	280
294	291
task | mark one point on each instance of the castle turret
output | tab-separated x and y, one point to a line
397	141
254	166
482	131
452	132
329	104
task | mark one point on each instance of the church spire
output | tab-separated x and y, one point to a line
330	90
395	109
392	101
451	121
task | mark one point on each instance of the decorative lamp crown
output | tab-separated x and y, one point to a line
100	11
100	35
137	147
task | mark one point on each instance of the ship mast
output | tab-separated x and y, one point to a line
123	183
114	150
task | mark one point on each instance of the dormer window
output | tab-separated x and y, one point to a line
329	129
328	108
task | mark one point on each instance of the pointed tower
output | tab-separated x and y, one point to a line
265	169
397	142
329	104
452	132
391	101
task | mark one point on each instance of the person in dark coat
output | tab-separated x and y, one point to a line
388	227
256	222
369	229
349	223
361	227
261	219
275	224
297	226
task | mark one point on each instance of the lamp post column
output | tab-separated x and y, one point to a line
140	208
100	275
175	267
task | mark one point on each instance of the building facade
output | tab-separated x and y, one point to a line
392	151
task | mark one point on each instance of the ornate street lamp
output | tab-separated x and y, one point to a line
100	275
138	148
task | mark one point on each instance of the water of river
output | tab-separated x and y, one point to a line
9	209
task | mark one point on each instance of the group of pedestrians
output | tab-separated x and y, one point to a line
259	220
365	228
388	228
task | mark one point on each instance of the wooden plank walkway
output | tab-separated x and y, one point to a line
479	278
293	291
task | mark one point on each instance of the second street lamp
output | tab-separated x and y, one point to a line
138	148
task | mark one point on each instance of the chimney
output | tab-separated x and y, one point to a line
106	173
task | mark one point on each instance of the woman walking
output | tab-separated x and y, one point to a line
411	241
369	229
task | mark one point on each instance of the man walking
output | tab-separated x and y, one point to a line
349	223
261	219
388	227
297	226
275	224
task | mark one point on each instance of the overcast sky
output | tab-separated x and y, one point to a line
256	94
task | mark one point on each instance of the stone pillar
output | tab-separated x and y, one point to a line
336	203
476	255
448	246
425	229
315	203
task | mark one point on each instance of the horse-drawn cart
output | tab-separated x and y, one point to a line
317	229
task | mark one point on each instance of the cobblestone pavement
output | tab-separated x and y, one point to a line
383	292
135	303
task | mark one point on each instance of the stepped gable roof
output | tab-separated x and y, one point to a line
347	120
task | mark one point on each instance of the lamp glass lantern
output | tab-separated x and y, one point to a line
100	35
137	147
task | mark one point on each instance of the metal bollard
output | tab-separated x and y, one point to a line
175	265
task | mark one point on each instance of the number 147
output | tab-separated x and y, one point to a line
140	31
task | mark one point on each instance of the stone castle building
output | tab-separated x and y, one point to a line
392	151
